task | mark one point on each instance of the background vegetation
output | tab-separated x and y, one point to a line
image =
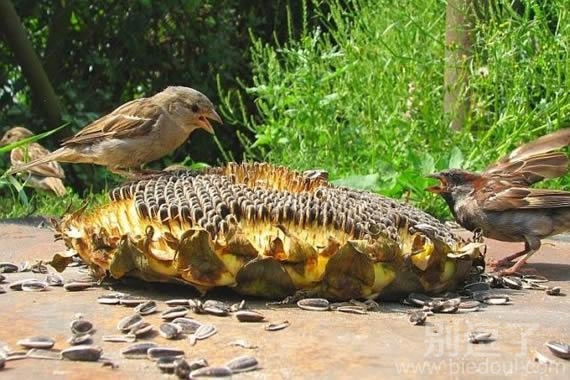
355	87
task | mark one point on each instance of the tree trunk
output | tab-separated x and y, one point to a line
458	50
42	91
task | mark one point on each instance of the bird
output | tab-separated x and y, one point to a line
500	204
137	132
47	176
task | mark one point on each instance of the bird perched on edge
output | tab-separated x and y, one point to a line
500	203
47	176
140	131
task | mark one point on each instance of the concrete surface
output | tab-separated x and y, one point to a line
324	345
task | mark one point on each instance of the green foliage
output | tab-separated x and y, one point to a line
364	95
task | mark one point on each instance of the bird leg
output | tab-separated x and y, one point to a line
532	244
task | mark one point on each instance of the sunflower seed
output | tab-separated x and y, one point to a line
174	312
476	287
37	342
198	363
17	285
417	318
39	267
132	300
166	363
534	278
214	307
54	279
217	372
249	316
122	338
277	326
238	306
129	322
155	353
189	326
34	286
496	299
242	343
140	329
146	308
469	305
559	349
138	350
110	299
84	353
314	304
351	309
553	291
170	330
182	368
81	326
479	337
512	282
79	339
242	364
76	286
6	267
38	353
418	299
177	302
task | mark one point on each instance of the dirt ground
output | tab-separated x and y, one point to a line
324	345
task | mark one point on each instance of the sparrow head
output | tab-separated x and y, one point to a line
191	107
454	183
15	134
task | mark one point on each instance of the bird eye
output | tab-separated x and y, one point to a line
195	107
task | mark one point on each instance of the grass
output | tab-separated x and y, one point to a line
362	96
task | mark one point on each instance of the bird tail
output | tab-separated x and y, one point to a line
54	156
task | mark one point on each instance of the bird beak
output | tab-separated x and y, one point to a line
205	123
437	189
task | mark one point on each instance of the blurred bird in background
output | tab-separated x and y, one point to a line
500	203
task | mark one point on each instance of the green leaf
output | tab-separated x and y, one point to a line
363	182
456	158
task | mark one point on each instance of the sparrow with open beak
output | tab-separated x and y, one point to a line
46	176
500	203
140	131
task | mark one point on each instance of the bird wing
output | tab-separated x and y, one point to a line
132	119
525	198
534	161
20	156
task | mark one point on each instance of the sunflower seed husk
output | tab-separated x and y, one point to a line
174	312
417	317
54	279
38	353
146	308
39	267
215	372
34	286
81	326
559	349
553	291
17	285
122	338
496	299
82	353
479	337
214	307
170	330
243	344
189	326
177	302
477	287
77	286
166	363
314	304
242	364
155	353
418	299
469	305
182	368
277	326
352	309
132	300
37	342
79	339
110	299
535	278
138	350
512	282
249	316
198	363
140	329
129	322
238	306
6	267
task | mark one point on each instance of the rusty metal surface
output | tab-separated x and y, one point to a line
327	345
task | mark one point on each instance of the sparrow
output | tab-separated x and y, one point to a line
140	131
47	176
500	203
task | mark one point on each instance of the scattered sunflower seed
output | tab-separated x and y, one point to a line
81	326
174	312
314	304
110	299
242	364
203	332
132	300
170	330
559	349
17	285
83	353
417	317
496	299
155	353
238	306
39	353
535	278
37	342
512	282
216	372
122	338
476	337
277	326
351	309
6	267
418	299
189	326
128	322
54	279
182	368
39	267
198	363
249	316
79	339
166	363
469	305
553	291
76	286
146	308
138	350
34	286
140	329
177	302
214	307
477	287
